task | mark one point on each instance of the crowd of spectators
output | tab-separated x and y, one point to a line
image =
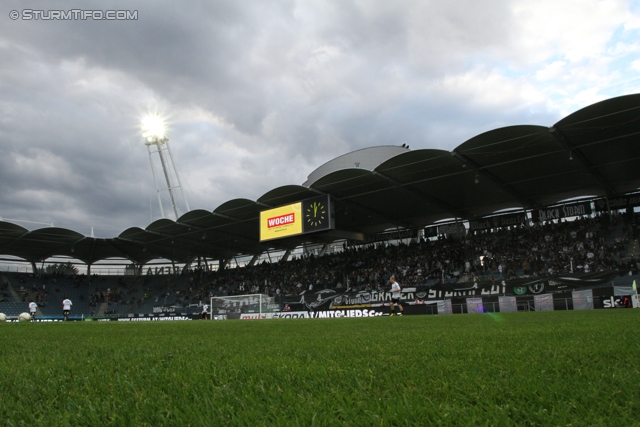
588	244
584	245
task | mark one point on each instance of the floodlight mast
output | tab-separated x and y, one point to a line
153	132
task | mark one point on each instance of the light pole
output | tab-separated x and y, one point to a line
154	134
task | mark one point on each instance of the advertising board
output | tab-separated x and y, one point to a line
310	215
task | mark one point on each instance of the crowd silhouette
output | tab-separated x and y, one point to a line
588	244
584	245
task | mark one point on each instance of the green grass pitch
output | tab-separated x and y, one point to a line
565	368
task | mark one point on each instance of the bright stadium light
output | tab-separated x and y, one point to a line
153	128
154	132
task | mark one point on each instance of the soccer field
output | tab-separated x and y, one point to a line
548	368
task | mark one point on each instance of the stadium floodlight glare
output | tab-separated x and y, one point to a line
154	132
153	128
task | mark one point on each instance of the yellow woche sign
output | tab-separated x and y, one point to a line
281	222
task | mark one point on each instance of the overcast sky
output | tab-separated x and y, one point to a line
258	94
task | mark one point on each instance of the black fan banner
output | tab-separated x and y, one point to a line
330	299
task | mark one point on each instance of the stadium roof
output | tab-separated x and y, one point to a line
592	152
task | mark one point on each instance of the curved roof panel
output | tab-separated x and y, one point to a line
237	209
365	158
603	139
285	195
37	244
131	233
10	229
524	163
431	176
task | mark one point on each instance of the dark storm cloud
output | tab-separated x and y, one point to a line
189	53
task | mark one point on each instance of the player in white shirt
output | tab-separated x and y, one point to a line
395	296
33	307
66	307
205	312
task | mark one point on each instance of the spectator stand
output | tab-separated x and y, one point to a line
595	242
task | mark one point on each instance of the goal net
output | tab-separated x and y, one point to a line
254	306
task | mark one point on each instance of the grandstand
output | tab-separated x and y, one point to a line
512	204
598	243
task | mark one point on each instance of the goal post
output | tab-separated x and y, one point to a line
252	306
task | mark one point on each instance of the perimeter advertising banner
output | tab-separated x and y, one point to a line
331	299
622	202
558	212
498	221
310	215
386	237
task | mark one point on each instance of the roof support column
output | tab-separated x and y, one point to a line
185	268
324	249
286	255
254	259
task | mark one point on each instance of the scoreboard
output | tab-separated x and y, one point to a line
306	216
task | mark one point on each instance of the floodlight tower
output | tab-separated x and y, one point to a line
154	134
